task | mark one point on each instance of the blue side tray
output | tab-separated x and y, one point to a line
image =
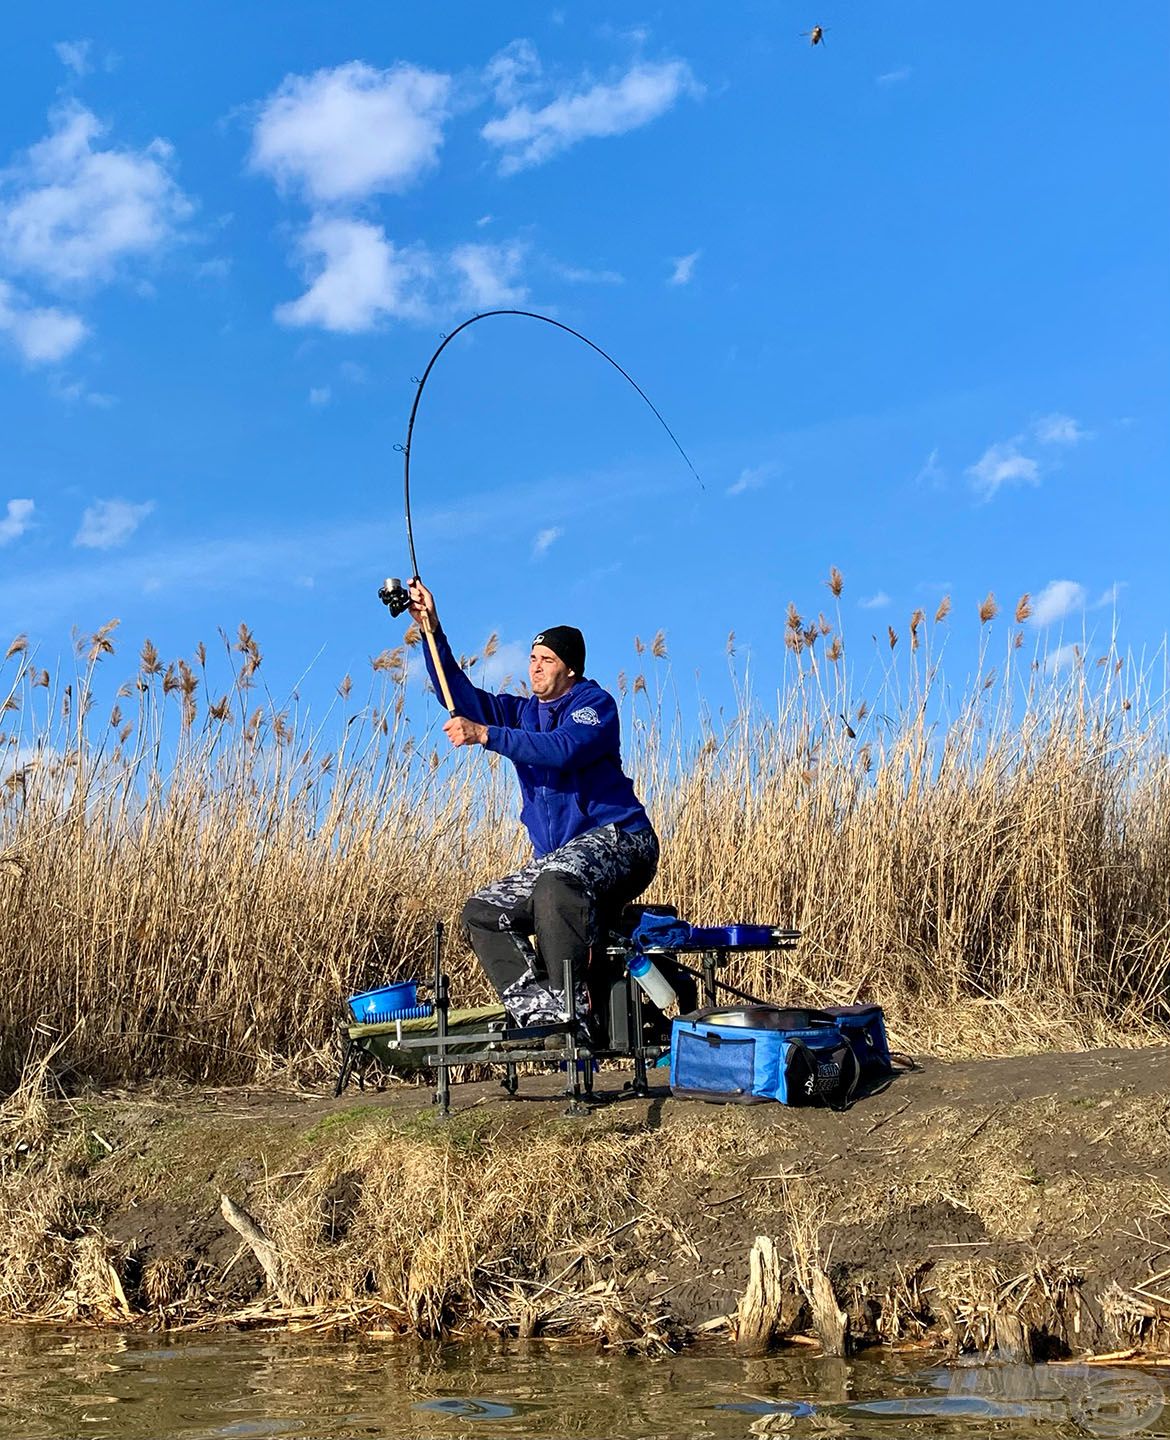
741	937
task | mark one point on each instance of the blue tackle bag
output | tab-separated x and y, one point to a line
864	1027
762	1052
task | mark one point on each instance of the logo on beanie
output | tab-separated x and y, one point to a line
539	639
586	716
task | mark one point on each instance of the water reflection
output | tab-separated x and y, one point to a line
127	1386
484	1409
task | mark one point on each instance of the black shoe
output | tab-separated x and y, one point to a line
517	1043
589	1036
531	1035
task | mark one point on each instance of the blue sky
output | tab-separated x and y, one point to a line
902	297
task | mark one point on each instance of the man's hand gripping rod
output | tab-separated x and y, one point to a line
395	596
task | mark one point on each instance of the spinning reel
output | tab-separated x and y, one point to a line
395	596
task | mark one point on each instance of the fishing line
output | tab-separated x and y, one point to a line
529	315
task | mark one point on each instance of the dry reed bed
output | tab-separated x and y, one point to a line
192	875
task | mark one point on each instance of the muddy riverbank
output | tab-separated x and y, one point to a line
1020	1205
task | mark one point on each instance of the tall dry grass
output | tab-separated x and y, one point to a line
192	878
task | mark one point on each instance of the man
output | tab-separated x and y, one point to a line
594	846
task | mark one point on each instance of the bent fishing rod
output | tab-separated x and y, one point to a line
393	593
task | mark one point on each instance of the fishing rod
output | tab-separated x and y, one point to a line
393	593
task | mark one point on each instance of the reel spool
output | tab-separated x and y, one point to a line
394	595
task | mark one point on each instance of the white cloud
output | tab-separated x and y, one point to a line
544	539
875	602
512	71
77	391
1005	462
489	274
1001	464
357	278
74	55
751	478
108	523
1059	430
16	520
353	131
1058	599
579	275
51	334
508	664
930	472
79	210
320	395
684	268
41	334
529	137
895	77
632	35
1063	658
1110	597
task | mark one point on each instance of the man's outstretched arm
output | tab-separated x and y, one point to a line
481	706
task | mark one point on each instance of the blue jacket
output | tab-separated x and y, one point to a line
567	754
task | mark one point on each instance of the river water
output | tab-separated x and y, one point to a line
59	1384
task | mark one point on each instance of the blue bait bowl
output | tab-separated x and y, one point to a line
384	1002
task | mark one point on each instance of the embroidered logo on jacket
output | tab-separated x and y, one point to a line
586	716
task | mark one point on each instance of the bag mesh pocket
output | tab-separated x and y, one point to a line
715	1064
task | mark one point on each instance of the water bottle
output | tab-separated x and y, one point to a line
653	982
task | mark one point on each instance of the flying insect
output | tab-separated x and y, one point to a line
816	36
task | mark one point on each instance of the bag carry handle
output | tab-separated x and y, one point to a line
795	1017
714	1039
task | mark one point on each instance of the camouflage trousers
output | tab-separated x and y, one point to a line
558	899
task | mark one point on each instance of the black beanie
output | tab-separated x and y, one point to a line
567	643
